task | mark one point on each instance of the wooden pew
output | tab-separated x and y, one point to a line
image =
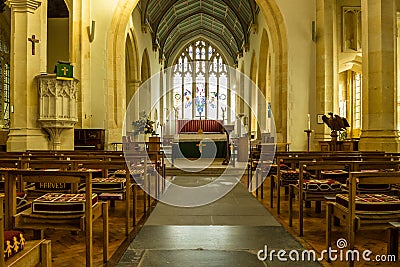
355	219
35	252
278	182
39	223
107	167
304	195
262	168
144	170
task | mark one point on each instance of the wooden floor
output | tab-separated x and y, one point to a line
314	230
68	248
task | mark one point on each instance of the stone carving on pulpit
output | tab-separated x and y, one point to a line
58	105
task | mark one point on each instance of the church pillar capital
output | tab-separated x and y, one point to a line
24	5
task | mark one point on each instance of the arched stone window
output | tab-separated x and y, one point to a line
201	83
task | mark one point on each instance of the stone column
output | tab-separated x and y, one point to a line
379	93
28	59
80	20
325	62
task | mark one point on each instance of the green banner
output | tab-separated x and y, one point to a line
64	71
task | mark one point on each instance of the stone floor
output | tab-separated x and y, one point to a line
228	232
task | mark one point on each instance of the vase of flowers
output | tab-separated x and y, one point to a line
143	126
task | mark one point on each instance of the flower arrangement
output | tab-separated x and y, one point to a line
143	125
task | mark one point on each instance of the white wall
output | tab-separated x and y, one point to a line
298	17
102	13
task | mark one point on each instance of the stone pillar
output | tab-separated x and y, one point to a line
325	62
28	59
379	93
80	20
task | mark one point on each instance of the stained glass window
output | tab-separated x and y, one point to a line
4	80
357	106
201	83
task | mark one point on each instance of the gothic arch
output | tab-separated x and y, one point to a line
263	76
279	65
277	32
68	3
145	71
145	92
263	63
252	113
132	65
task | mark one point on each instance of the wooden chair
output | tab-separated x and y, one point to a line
147	174
307	196
107	167
35	252
38	223
355	219
262	169
277	182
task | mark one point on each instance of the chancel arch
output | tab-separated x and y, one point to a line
276	28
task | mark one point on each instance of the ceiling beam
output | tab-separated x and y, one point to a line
168	4
206	32
172	27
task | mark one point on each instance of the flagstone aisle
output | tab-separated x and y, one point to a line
227	232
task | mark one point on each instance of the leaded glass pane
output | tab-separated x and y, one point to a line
212	97
200	96
187	87
204	92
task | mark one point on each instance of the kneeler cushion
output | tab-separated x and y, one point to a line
371	202
56	203
14	242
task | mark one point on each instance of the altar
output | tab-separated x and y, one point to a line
208	145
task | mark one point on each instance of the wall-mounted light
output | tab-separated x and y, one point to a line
313	31
92	28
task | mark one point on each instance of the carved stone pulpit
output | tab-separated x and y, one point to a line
58	105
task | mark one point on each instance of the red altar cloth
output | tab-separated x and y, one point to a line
192	126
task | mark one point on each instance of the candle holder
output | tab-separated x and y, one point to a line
308	131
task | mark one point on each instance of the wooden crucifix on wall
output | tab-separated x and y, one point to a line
34	41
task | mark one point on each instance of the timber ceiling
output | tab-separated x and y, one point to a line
57	9
172	22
